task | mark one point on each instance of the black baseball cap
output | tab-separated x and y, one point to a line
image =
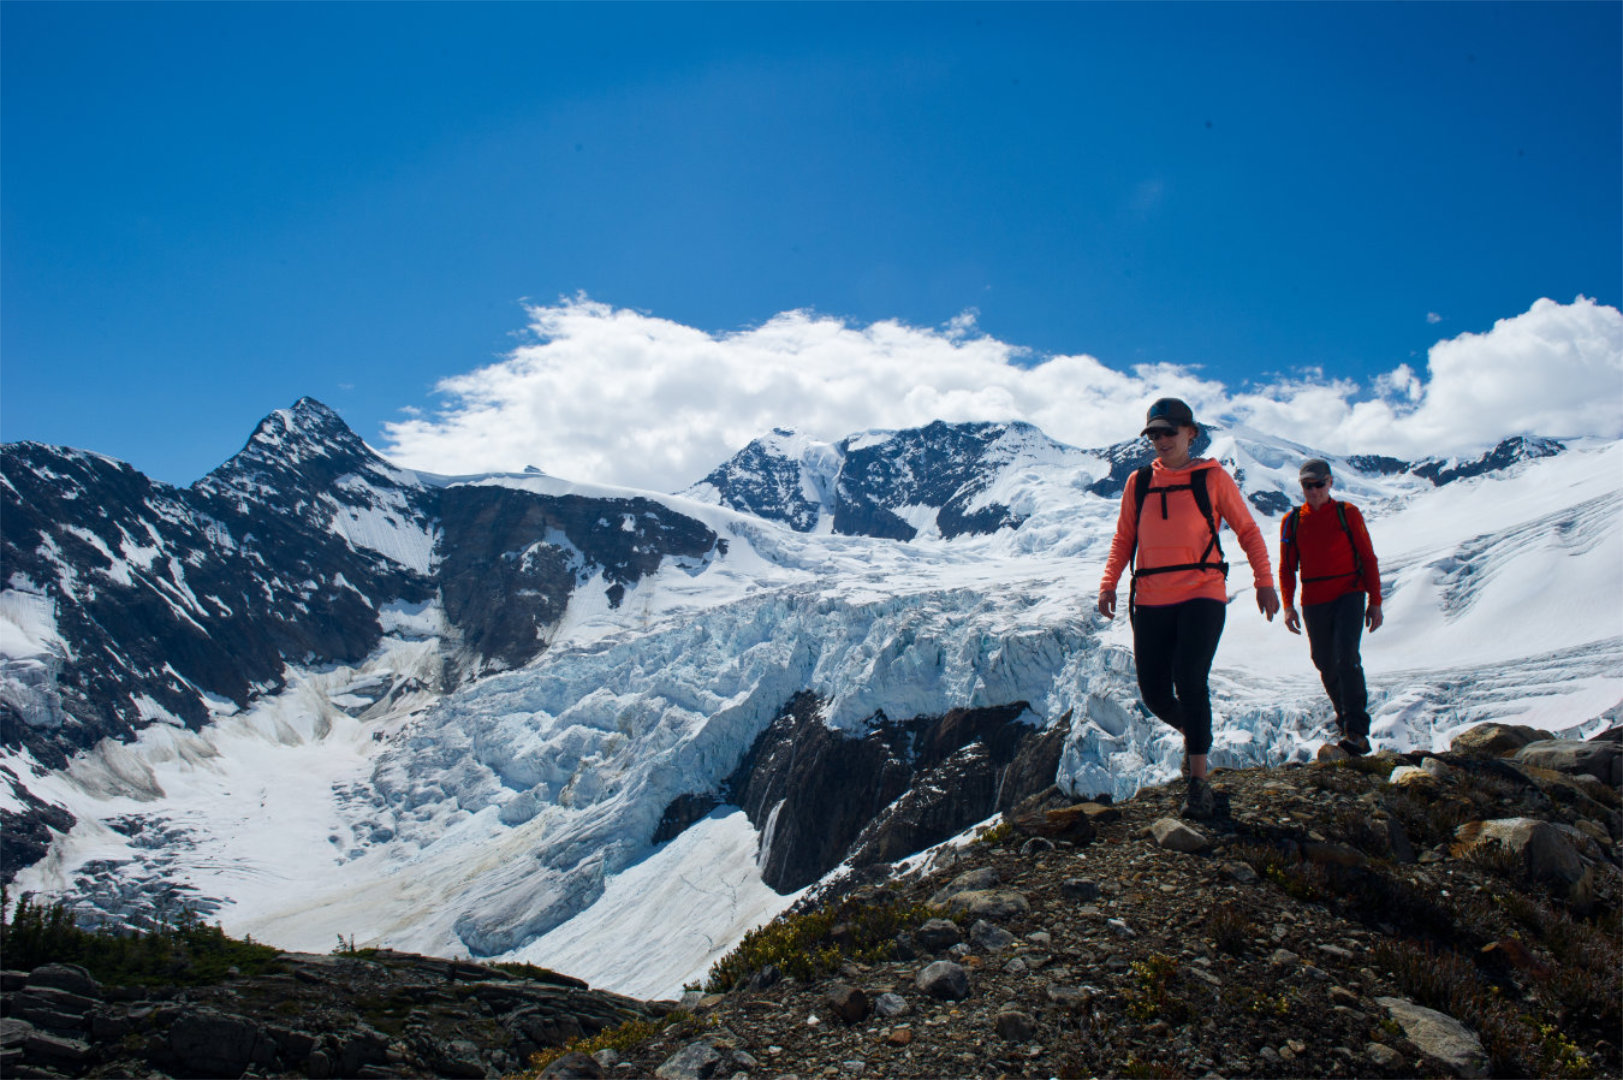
1168	414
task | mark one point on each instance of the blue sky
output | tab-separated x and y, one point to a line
210	210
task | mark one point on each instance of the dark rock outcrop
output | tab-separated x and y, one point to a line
386	1013
822	796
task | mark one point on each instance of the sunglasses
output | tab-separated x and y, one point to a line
1314	484
1161	433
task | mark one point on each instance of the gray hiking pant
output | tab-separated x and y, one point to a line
1333	633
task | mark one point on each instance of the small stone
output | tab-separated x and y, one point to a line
1284	958
1120	928
1037	845
1016	966
1269	1054
1340	995
900	1036
1241	872
1079	889
847	1002
695	1061
1286	1053
1040	938
1069	997
1015	1026
889	1005
1383	1056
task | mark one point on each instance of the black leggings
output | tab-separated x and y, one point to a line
1174	645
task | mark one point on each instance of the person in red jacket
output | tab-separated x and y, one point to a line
1327	541
1168	528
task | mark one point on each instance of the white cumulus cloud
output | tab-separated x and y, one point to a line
616	396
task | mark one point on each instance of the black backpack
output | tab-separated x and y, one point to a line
1287	535
1203	500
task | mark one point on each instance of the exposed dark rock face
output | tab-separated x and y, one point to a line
1509	452
822	796
761	480
944	467
165	592
511	559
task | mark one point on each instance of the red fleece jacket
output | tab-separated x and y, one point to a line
1324	555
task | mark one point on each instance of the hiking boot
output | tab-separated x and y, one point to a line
1198	800
1356	745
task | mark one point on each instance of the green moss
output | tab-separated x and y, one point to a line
808	945
621	1039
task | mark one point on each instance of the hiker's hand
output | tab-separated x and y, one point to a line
1372	618
1107	604
1268	601
1293	620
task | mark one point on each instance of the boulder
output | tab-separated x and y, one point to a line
695	1061
1175	835
989	936
938	935
212	1043
70	977
573	1066
1439	1036
945	980
1495	740
969	881
1544	850
1602	759
990	903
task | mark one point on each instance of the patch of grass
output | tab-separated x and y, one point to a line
1152	997
621	1039
1231	928
1001	833
1519	1044
533	972
808	945
186	953
1369	765
1139	1069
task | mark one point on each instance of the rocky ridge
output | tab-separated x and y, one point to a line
1451	914
1336	919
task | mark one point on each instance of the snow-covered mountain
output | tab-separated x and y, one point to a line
511	715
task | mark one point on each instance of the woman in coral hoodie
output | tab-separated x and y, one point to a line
1179	592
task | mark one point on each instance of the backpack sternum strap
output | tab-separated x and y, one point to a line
1203	501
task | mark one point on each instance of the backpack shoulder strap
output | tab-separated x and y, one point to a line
1287	528
1358	563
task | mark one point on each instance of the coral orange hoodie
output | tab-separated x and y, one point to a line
1181	535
